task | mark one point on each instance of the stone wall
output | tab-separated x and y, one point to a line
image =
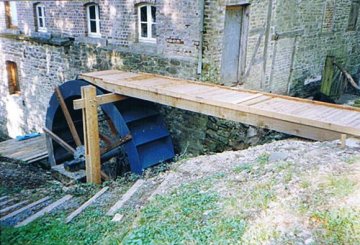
286	45
42	67
287	41
176	20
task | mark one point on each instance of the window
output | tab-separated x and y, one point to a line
13	82
147	23
93	20
40	18
11	14
354	14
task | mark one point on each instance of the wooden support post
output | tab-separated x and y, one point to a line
91	135
68	118
343	141
328	75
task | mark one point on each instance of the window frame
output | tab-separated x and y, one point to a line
96	34
11	15
148	22
38	17
12	74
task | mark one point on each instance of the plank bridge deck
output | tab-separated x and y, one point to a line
30	150
295	116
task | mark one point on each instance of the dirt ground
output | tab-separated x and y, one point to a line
19	175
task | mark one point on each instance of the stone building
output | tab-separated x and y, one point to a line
276	46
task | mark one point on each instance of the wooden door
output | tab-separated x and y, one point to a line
231	45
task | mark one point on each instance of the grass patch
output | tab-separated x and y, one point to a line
246	167
339	226
190	214
88	228
341	186
263	159
353	160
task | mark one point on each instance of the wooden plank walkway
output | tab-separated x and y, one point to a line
295	116
29	150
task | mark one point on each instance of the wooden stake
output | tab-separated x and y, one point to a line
85	205
91	135
119	204
44	211
343	141
68	118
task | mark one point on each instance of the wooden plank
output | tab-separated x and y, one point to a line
36	156
250	97
101	100
58	140
343	141
44	211
235	115
85	205
68	118
188	102
12	207
91	135
3	198
95	77
6	202
23	150
31	205
119	204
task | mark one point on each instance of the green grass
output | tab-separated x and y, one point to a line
341	186
263	159
245	167
338	226
88	228
352	160
191	214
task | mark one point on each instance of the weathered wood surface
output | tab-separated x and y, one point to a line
91	135
27	207
26	150
295	116
12	207
119	204
44	211
85	205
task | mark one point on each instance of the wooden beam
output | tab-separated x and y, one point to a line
44	211
290	124
101	100
85	205
58	140
119	204
91	135
30	206
68	118
3	198
12	207
117	143
343	141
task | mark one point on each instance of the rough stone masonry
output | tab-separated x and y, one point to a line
280	46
